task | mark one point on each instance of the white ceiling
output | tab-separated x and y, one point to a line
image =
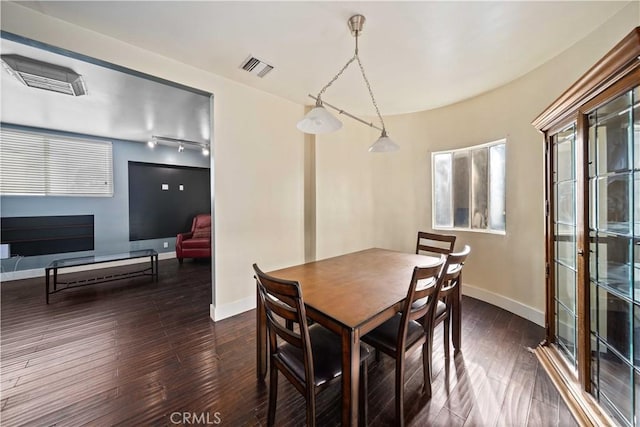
118	105
418	55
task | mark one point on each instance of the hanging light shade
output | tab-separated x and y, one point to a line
384	144
319	120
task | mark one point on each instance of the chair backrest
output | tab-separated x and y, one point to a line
201	226
435	243
420	301
282	301
451	271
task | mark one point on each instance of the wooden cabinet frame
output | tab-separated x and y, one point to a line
618	71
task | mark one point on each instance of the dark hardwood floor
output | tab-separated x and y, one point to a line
137	353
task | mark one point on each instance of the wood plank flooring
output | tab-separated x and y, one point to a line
136	353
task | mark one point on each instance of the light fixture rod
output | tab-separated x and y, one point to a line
373	99
338	74
341	111
356	24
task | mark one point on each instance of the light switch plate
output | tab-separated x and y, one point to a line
181	187
5	251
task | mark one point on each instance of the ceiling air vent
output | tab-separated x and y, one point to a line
256	66
42	75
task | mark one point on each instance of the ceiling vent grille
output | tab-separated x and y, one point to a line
42	75
256	66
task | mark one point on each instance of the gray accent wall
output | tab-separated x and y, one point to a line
111	214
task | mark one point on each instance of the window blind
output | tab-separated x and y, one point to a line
44	165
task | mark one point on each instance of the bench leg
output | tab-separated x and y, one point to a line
46	284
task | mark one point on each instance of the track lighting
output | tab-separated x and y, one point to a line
180	143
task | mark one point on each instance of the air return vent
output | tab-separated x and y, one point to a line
256	66
42	75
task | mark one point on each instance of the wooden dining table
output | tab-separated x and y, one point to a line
352	294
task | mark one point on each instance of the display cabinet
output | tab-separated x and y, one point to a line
592	208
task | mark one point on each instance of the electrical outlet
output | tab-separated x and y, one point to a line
165	244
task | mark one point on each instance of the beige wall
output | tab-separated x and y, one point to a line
506	270
259	188
344	191
258	156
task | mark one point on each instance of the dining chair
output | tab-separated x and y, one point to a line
435	243
450	279
403	332
310	357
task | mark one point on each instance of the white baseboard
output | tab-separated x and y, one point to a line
39	272
231	309
534	315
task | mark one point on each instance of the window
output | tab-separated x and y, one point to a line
469	188
34	164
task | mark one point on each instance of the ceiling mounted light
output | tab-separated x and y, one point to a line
42	75
319	120
180	143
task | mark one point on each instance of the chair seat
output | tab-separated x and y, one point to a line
326	348
196	243
385	336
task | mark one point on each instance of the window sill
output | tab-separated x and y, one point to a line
472	230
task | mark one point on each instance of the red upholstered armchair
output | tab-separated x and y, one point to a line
196	243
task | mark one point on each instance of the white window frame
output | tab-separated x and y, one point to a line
43	164
468	150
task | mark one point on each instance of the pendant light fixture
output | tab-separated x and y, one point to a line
319	120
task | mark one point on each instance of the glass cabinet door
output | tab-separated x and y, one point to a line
614	255
592	246
564	239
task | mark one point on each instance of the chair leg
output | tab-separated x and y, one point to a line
311	406
426	367
273	394
446	337
364	385
400	390
377	355
180	261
